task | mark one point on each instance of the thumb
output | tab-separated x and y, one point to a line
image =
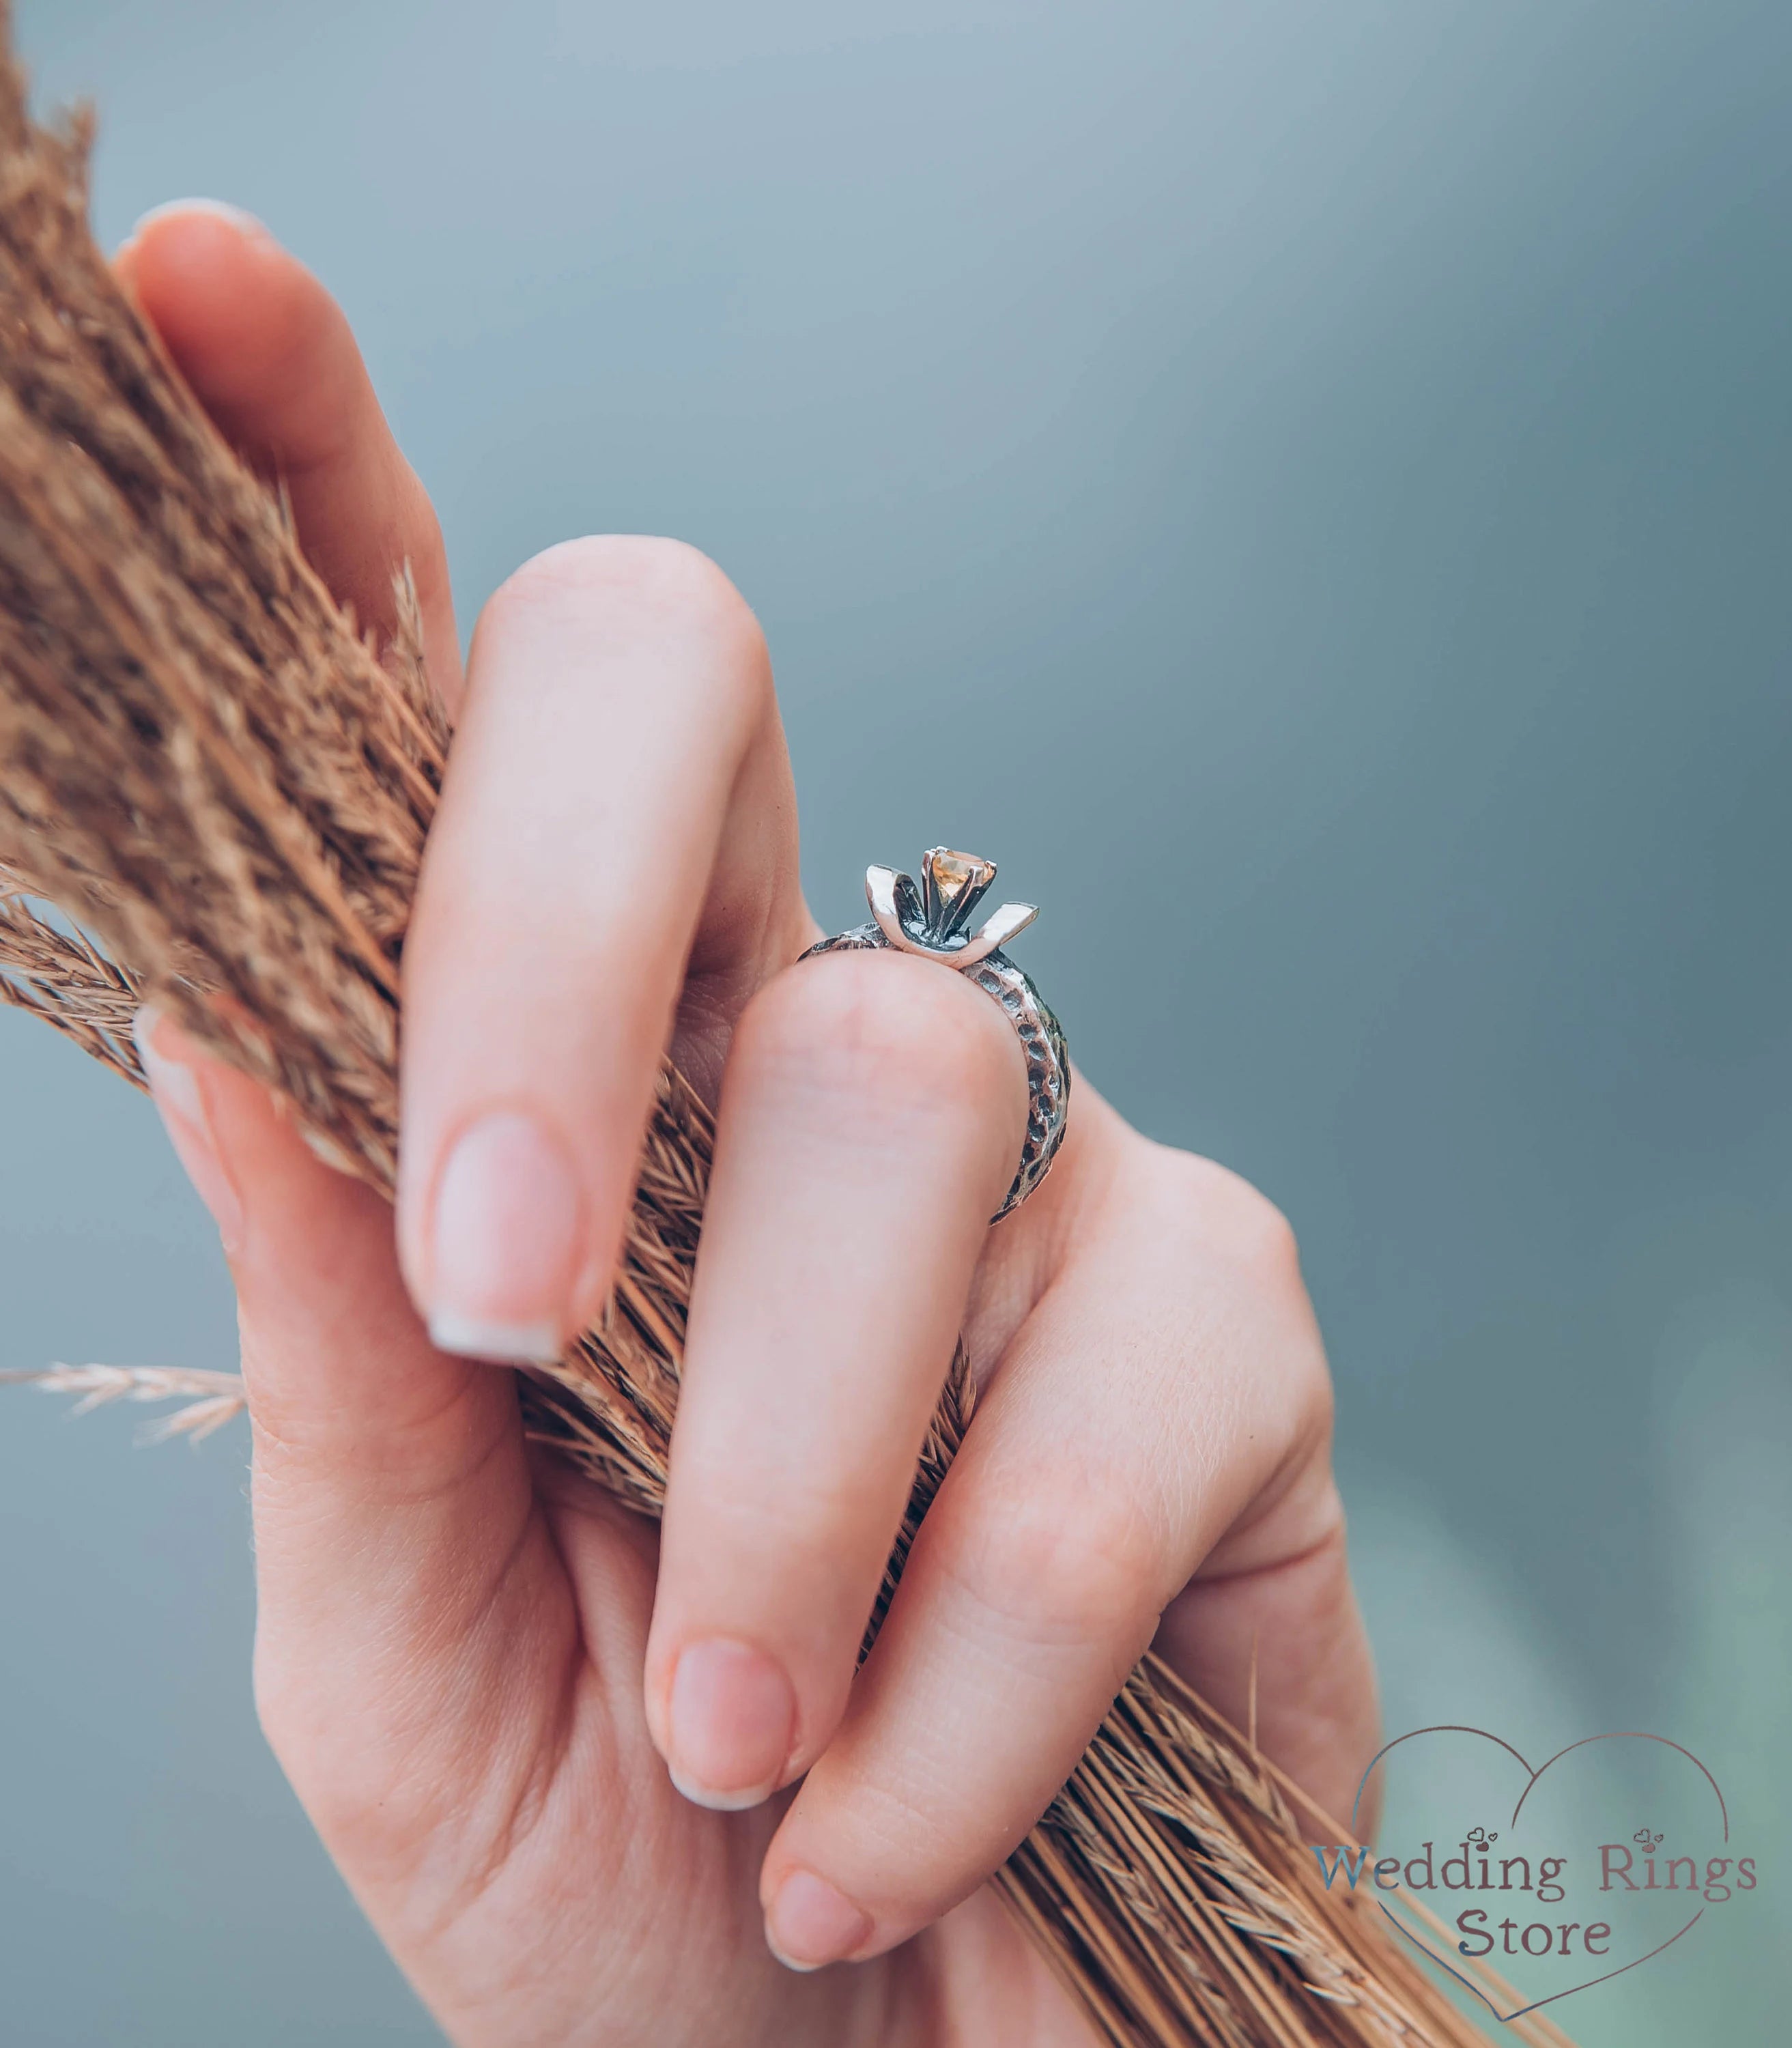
350	1401
392	1501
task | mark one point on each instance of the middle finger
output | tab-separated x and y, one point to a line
618	721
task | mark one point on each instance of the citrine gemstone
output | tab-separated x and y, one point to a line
954	873
953	886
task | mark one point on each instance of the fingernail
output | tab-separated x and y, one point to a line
809	1924
178	1095
730	1718
220	209
504	1243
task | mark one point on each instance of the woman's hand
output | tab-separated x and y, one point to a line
580	1772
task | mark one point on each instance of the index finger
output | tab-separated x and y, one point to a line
269	354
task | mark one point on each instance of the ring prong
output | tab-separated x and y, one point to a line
884	890
995	931
1008	923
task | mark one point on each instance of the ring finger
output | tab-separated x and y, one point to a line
872	1110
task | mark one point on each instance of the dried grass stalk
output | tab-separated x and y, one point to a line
206	765
211	1398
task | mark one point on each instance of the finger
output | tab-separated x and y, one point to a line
397	1553
352	1407
1280	1649
1123	1435
270	356
872	1112
619	747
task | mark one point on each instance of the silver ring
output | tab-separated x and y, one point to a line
930	920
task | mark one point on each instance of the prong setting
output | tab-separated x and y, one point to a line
930	920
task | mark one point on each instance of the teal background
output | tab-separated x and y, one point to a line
1307	488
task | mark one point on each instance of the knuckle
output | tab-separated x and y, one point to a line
275	1709
1225	1241
1315	1411
1265	1239
876	1028
637	564
662	584
372	1789
1039	1573
1203	1201
347	1788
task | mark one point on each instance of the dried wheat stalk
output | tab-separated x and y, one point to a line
205	763
212	1399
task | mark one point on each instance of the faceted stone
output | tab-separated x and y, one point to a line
952	885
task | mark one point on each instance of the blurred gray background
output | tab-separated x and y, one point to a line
1307	486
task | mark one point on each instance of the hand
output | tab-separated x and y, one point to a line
566	1760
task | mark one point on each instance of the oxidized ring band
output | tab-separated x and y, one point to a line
930	920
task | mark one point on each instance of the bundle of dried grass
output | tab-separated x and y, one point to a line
205	765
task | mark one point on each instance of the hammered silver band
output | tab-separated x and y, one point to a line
930	920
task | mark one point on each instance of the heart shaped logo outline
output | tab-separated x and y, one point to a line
1531	1778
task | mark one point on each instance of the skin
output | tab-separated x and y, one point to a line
476	1670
